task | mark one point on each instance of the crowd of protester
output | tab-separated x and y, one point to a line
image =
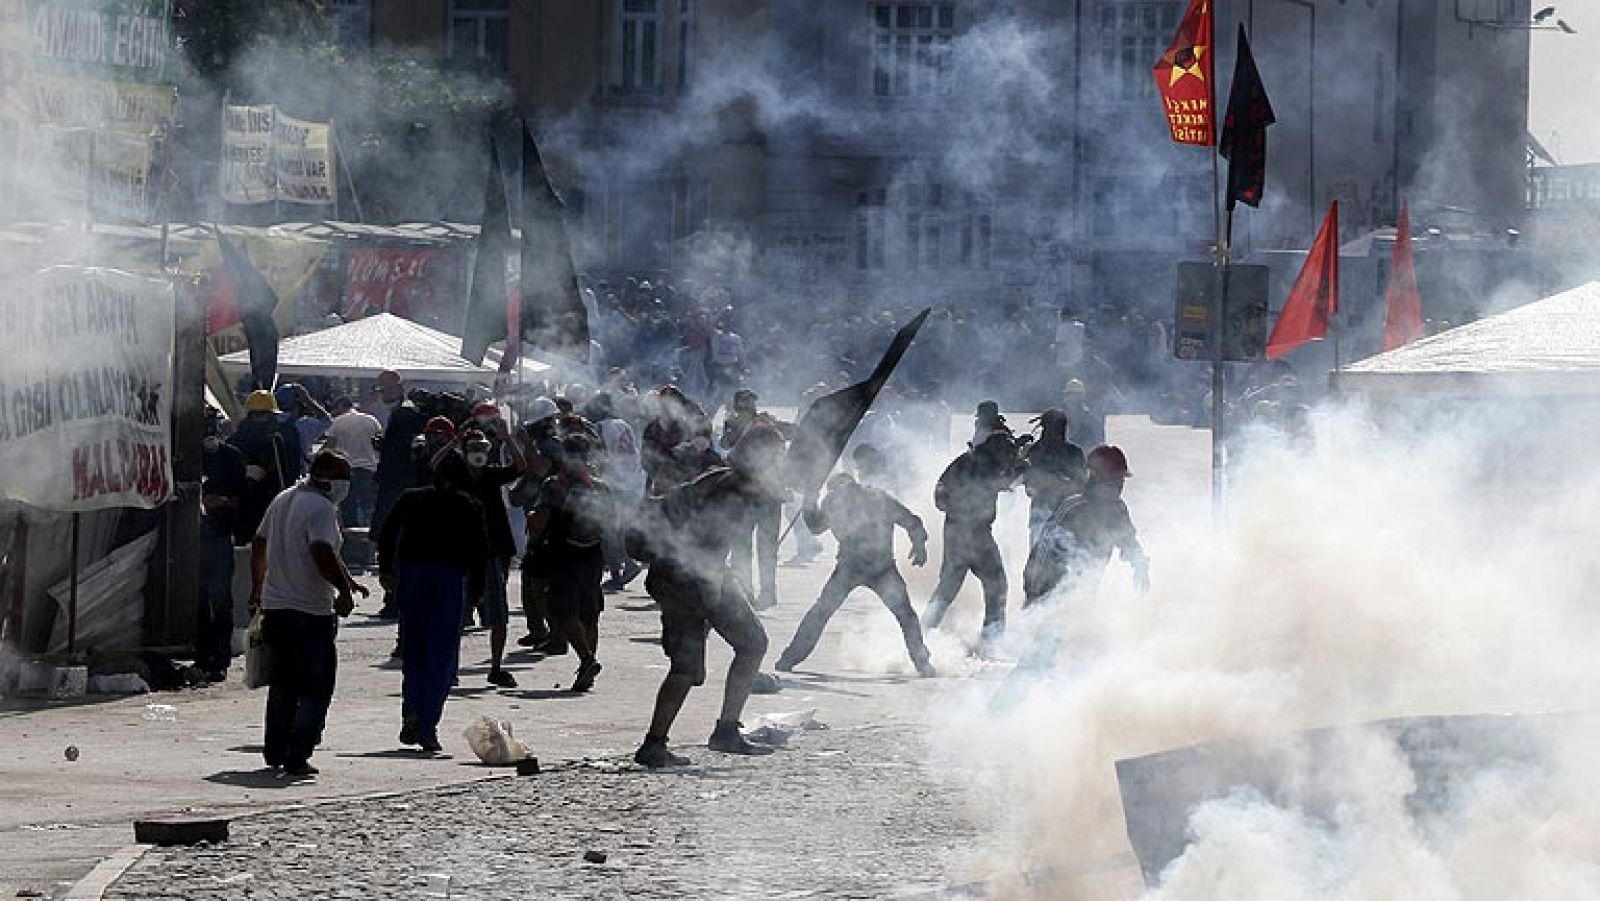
665	461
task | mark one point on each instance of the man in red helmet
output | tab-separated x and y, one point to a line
1075	544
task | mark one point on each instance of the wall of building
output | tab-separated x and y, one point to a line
785	141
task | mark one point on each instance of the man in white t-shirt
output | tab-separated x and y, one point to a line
299	584
355	434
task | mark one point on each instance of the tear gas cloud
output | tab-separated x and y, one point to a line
1381	574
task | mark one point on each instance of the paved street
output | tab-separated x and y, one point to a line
846	813
859	810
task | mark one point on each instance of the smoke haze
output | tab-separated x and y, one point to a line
1382	574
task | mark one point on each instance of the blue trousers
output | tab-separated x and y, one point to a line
431	597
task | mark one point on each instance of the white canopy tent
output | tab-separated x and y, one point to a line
1549	348
365	347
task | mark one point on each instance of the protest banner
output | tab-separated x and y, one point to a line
302	160
86	390
246	172
270	156
398	280
85	86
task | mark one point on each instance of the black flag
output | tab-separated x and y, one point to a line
488	300
255	300
824	430
553	317
1244	129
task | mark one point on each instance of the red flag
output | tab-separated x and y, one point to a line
1403	323
1184	78
1314	299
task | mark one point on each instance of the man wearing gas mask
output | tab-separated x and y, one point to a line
483	445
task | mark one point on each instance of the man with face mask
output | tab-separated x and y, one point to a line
1076	542
967	493
222	488
432	554
689	579
300	585
486	477
570	520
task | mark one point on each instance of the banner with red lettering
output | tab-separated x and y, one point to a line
86	390
402	281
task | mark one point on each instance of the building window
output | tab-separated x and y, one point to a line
977	240
639	46
911	48
352	23
934	229
870	219
480	33
1132	36
685	35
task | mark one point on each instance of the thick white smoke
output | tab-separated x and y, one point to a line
1383	573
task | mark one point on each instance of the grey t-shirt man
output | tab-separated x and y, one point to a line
295	520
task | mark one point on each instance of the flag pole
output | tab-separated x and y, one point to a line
1219	370
1224	234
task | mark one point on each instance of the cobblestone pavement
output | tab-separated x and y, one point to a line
847	813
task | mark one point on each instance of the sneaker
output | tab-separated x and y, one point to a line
430	746
303	768
727	739
533	639
585	678
554	647
502	678
408	733
655	755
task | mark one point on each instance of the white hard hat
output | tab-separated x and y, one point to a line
541	409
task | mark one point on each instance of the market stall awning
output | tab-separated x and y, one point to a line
365	347
1547	348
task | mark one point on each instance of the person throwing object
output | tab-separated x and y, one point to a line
863	520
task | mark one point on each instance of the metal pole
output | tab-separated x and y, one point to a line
1218	366
344	166
72	589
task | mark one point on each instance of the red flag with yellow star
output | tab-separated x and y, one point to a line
1183	76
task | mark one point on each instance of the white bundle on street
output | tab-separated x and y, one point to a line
492	741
